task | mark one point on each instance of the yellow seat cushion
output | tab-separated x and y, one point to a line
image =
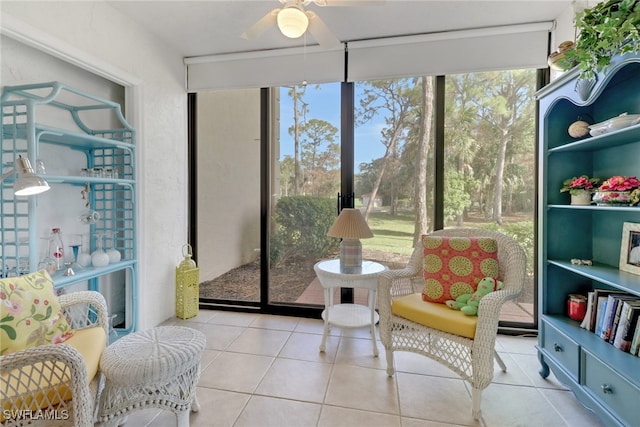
434	315
90	343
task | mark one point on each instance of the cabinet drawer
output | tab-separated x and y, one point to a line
561	348
610	388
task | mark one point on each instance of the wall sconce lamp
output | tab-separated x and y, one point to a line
27	183
351	227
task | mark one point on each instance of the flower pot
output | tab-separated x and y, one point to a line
583	198
612	198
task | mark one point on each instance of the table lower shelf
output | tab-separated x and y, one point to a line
350	315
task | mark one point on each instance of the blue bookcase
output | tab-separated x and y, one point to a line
112	197
604	378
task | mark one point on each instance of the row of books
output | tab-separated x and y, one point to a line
614	316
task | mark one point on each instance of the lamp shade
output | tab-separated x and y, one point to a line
292	22
27	183
350	224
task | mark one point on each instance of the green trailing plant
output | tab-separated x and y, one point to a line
608	29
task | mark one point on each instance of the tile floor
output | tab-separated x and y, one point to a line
261	370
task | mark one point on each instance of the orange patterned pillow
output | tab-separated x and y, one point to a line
454	265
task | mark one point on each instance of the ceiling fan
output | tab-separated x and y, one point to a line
293	20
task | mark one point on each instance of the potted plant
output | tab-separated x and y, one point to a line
618	191
607	29
580	189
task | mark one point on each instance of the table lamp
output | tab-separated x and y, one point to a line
351	227
27	183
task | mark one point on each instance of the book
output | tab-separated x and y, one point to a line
625	325
615	315
607	318
601	310
597	294
625	344
635	343
587	316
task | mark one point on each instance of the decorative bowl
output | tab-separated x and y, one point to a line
622	121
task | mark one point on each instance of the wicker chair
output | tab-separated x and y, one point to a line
49	383
472	359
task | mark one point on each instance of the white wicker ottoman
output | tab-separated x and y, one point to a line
158	367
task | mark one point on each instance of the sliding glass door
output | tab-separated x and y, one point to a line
416	154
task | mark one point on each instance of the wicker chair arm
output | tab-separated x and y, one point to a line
38	365
85	309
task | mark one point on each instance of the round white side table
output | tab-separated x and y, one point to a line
349	315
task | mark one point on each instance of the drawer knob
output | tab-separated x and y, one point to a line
606	389
557	347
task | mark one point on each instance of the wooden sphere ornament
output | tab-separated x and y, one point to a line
579	129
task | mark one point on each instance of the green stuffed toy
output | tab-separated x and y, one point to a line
468	303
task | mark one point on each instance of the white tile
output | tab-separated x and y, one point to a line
315	326
359	352
307	347
570	409
232	318
334	416
296	379
507	405
271	412
219	337
524	344
235	372
218	408
414	363
266	342
283	323
362	388
434	398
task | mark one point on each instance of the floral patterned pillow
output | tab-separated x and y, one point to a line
454	265
30	314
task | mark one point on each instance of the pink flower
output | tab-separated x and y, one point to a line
60	338
14	308
581	182
620	183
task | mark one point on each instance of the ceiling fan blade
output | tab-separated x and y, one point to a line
261	26
320	32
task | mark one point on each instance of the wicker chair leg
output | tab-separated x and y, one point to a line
476	395
390	369
183	418
195	405
500	361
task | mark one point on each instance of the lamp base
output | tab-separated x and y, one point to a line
350	256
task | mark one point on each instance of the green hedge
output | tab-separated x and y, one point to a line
301	229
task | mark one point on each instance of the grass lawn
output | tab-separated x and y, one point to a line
391	233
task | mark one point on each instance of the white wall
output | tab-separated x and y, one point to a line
98	37
228	164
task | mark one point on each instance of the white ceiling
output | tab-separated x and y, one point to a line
198	28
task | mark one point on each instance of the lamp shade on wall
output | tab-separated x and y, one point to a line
350	226
27	183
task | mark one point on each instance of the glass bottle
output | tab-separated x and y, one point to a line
112	252
56	248
99	257
84	257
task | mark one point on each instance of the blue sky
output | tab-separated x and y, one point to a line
324	104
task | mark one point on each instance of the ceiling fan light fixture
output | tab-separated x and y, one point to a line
292	22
